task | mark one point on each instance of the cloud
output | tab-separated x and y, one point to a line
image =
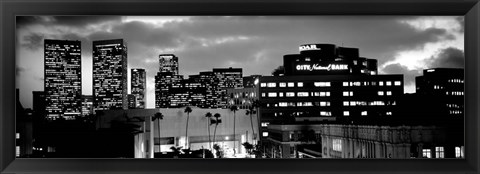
461	21
408	75
33	41
447	58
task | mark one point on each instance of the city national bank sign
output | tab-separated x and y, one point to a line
316	67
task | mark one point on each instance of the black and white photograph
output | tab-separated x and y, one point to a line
173	87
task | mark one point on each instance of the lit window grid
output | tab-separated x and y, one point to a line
110	76
62	79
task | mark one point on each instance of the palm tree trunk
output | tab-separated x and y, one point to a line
215	133
186	131
234	140
209	140
159	138
253	130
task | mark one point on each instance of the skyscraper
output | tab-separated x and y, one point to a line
110	74
138	86
63	79
166	79
227	78
168	63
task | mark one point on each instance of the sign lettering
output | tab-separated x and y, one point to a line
317	67
308	47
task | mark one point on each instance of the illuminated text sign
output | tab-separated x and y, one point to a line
308	47
317	67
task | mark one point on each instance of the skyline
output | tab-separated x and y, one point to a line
255	44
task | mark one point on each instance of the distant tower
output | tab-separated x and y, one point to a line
138	86
110	74
168	63
63	79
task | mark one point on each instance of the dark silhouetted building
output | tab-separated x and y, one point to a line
139	87
110	74
62	79
328	83
444	86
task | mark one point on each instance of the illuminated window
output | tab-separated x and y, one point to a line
346	103
353	103
380	93
307	59
282	84
389	113
282	104
321	84
389	92
323	103
364	113
345	83
458	152
355	62
271	85
265	134
325	113
380	83
290	94
263	84
398	83
389	83
347	93
263	94
272	94
337	145
17	151
439	152
300	84
291	84
17	135
346	113
426	153
304	104
302	94
265	124
280	94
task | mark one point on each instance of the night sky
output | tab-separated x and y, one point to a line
401	44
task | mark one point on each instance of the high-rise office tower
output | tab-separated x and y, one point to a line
227	78
168	63
63	79
110	74
166	79
138	86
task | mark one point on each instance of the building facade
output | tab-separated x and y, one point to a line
139	86
62	79
87	105
445	86
227	78
328	83
110	74
362	141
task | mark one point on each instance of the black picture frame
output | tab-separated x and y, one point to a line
9	9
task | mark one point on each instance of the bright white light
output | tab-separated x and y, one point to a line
227	138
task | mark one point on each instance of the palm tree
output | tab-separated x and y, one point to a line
188	110
256	104
208	115
217	116
158	116
250	113
234	109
